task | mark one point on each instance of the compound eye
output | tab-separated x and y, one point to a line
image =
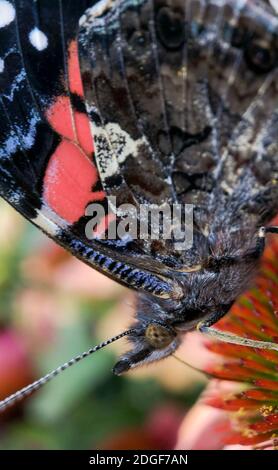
159	336
260	56
170	28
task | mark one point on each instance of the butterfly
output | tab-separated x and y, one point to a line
151	103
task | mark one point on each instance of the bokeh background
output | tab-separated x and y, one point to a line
53	307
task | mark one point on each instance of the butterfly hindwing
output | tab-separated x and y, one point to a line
182	84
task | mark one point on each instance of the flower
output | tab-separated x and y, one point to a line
15	364
157	432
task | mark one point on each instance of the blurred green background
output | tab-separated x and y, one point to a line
51	308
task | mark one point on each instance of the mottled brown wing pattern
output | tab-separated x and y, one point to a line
185	92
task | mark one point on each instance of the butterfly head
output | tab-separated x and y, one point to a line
152	342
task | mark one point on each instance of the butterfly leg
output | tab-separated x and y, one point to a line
257	251
271	229
261	238
205	327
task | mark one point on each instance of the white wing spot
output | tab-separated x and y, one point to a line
7	13
49	221
44	223
113	145
2	65
95	11
38	39
274	4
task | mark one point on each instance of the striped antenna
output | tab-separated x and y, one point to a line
43	380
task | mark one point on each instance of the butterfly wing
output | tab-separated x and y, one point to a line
182	95
47	166
35	98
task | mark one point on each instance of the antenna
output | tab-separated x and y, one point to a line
43	380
